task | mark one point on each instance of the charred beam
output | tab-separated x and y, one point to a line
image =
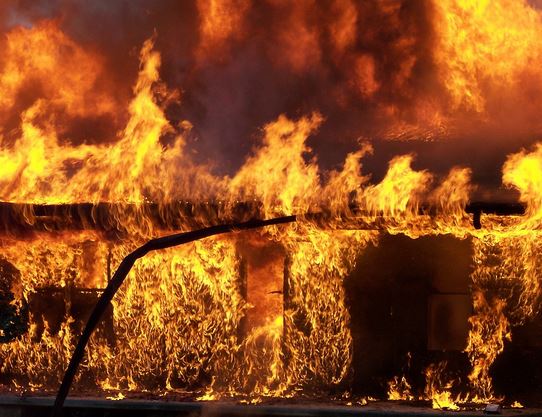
111	219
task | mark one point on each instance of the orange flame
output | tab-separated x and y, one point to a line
178	320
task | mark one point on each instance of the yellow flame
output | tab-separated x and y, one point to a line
486	47
118	397
399	389
178	318
437	388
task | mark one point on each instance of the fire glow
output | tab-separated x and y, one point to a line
260	314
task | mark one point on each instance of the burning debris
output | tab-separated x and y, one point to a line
429	265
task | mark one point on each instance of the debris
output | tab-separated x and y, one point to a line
493	409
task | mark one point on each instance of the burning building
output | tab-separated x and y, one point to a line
393	145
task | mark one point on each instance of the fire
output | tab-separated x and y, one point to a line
221	21
230	316
438	390
155	346
120	396
277	174
398	195
516	404
399	389
43	58
523	172
486	49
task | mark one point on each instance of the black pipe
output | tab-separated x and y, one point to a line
122	272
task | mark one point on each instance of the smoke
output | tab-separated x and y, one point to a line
379	71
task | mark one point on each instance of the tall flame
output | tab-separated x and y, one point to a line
180	321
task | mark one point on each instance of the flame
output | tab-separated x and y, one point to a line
443	69
118	397
490	328
36	168
182	321
192	297
221	21
516	404
65	73
437	389
486	48
522	171
398	195
399	389
505	256
279	166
